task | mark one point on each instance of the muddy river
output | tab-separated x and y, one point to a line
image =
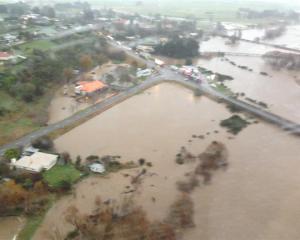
256	198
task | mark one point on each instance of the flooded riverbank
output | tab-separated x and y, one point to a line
255	198
10	227
280	90
290	38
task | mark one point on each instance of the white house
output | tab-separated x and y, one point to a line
36	162
97	168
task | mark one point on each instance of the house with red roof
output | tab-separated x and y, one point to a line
90	87
5	56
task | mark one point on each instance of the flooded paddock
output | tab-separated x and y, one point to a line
280	90
10	226
257	197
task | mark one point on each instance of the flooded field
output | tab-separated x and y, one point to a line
9	227
256	198
280	90
62	107
291	38
65	105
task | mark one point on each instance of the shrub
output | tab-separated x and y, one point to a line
44	143
234	124
142	161
12	153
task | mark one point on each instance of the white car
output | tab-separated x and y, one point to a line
173	67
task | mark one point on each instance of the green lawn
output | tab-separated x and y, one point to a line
22	117
38	44
32	223
61	173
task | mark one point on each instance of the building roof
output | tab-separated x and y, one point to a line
92	86
36	162
5	55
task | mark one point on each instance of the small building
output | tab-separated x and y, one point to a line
97	168
90	87
36	162
5	56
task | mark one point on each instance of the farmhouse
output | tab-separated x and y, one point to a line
90	87
36	162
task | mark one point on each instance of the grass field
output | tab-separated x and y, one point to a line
58	173
33	222
222	10
23	117
38	44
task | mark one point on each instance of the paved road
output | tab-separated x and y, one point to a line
165	74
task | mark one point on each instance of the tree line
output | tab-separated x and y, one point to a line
178	48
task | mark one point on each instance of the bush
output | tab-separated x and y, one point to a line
44	143
65	185
24	91
117	55
234	124
12	153
142	161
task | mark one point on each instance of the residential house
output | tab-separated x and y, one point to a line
36	162
90	87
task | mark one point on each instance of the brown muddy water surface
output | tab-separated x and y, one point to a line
9	227
280	90
257	197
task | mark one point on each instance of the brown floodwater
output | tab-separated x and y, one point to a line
256	198
291	37
9	227
62	107
280	90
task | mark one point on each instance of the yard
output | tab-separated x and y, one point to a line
59	173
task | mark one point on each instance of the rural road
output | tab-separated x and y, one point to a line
164	75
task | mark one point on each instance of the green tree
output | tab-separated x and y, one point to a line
86	62
44	143
12	153
78	161
68	74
